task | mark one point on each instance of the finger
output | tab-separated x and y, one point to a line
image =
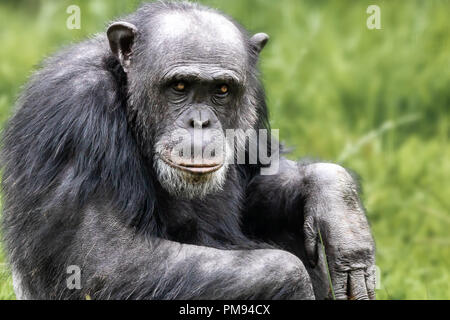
371	282
310	240
339	281
357	285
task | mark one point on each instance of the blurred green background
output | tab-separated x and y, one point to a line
376	101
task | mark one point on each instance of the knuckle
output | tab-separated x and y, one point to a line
309	229
309	221
360	296
350	252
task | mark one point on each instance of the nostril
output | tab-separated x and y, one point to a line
199	124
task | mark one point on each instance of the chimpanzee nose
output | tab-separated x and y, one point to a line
200	118
199	124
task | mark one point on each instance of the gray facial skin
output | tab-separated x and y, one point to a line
90	180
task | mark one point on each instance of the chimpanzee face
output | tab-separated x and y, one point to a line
188	84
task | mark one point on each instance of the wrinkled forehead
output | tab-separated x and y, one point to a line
198	37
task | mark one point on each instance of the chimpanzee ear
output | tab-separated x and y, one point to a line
121	37
258	41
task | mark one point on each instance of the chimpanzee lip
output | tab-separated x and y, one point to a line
196	168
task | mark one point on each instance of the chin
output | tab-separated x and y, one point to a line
187	184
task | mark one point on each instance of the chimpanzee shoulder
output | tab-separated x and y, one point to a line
71	115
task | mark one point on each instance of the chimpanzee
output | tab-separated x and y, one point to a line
95	177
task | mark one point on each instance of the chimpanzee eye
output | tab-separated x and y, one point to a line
222	89
179	86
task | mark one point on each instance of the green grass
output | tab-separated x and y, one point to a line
377	101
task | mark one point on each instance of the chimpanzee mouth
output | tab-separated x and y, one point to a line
195	168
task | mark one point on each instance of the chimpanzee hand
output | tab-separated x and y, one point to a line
334	217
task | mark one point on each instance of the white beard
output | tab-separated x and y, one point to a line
188	185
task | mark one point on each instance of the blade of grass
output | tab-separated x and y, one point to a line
326	265
386	126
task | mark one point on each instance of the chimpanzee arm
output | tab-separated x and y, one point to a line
116	263
305	202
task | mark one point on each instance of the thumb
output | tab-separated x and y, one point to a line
310	233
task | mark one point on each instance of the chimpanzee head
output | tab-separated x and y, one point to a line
191	75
